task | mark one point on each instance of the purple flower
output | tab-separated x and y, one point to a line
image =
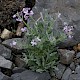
25	10
25	13
24	29
13	43
33	43
14	16
26	17
70	36
19	19
65	23
31	13
68	30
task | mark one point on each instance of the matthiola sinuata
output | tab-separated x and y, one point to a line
68	30
23	15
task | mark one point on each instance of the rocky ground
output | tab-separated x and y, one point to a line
12	67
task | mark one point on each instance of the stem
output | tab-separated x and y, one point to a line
24	22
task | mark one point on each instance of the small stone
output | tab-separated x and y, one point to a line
5	52
53	78
78	55
18	70
74	77
66	56
5	63
72	66
19	62
4	77
59	70
77	70
66	74
78	61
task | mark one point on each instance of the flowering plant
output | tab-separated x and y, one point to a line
42	38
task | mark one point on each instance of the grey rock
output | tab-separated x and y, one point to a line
20	45
78	55
20	62
66	74
72	66
18	70
5	63
16	76
78	61
53	78
74	77
29	75
77	70
5	52
66	56
4	77
59	70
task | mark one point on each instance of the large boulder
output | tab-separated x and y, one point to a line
29	75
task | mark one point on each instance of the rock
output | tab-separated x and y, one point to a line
5	63
29	75
72	66
78	61
4	77
53	78
59	70
74	77
20	62
16	76
20	43
18	70
77	47
66	74
77	70
5	52
66	56
78	55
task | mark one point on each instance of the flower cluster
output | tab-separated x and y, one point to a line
68	30
23	15
35	41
